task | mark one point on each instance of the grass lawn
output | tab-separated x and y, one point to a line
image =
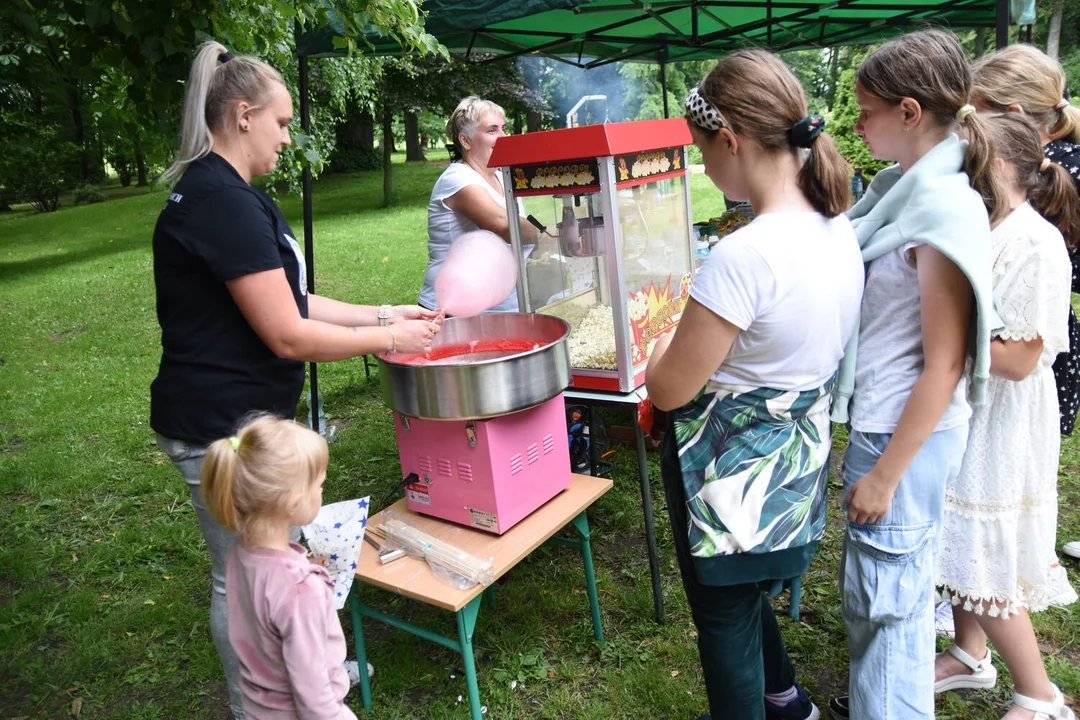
103	575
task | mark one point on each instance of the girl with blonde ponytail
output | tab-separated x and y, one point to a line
748	374
237	319
1000	527
261	483
924	229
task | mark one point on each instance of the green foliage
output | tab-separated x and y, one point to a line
38	168
86	195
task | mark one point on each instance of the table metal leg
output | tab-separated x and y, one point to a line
361	649
594	461
466	622
650	523
581	522
795	597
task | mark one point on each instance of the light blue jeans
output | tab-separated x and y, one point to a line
188	459
887	580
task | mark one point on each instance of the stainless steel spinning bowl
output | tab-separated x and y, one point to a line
474	387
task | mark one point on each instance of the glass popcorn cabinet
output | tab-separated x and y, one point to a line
611	244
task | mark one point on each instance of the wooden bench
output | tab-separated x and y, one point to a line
411	577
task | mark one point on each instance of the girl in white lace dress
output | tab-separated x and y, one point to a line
998	537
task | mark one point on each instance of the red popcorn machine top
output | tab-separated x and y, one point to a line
614	256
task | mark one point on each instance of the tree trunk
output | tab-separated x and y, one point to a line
140	160
413	151
387	149
834	74
1053	36
980	42
79	133
532	121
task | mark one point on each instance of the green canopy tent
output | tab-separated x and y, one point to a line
590	33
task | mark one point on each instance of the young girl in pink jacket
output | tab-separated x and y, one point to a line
282	622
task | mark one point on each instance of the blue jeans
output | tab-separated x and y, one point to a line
887	580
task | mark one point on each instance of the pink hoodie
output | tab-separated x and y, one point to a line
286	633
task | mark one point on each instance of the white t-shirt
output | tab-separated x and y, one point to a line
890	357
792	283
445	226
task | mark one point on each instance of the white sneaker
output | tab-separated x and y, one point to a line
353	669
943	619
1072	549
1062	594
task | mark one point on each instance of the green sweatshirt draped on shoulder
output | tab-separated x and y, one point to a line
933	204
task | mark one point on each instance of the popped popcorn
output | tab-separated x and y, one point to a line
592	343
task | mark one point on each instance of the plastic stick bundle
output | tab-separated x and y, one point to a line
450	563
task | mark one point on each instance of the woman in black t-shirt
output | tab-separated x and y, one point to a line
237	321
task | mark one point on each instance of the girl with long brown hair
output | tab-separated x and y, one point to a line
748	374
925	235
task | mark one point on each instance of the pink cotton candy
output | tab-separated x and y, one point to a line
478	273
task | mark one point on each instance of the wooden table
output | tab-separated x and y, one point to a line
413	578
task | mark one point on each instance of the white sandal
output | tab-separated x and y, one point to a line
983	674
1056	710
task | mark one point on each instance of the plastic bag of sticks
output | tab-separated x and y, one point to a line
450	563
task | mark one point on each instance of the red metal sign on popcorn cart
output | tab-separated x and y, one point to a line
611	244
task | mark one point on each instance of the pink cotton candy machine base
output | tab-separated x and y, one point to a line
480	420
487	474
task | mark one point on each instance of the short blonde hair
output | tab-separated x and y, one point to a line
1025	76
218	81
466	117
247	478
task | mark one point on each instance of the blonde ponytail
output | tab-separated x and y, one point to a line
218	480
1067	126
248	478
213	90
1025	76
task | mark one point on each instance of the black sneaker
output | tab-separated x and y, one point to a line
838	707
798	709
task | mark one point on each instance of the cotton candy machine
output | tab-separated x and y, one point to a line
480	422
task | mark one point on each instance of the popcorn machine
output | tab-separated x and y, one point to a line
614	242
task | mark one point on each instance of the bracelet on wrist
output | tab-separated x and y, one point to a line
393	340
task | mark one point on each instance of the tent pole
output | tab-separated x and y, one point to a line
663	83
314	401
1002	36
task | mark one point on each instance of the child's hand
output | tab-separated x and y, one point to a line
870	498
319	560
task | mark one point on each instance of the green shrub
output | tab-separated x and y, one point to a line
86	194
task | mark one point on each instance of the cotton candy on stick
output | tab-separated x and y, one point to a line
478	273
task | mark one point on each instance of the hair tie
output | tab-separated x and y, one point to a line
701	112
235	442
225	57
963	113
806	131
1044	165
1062	104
